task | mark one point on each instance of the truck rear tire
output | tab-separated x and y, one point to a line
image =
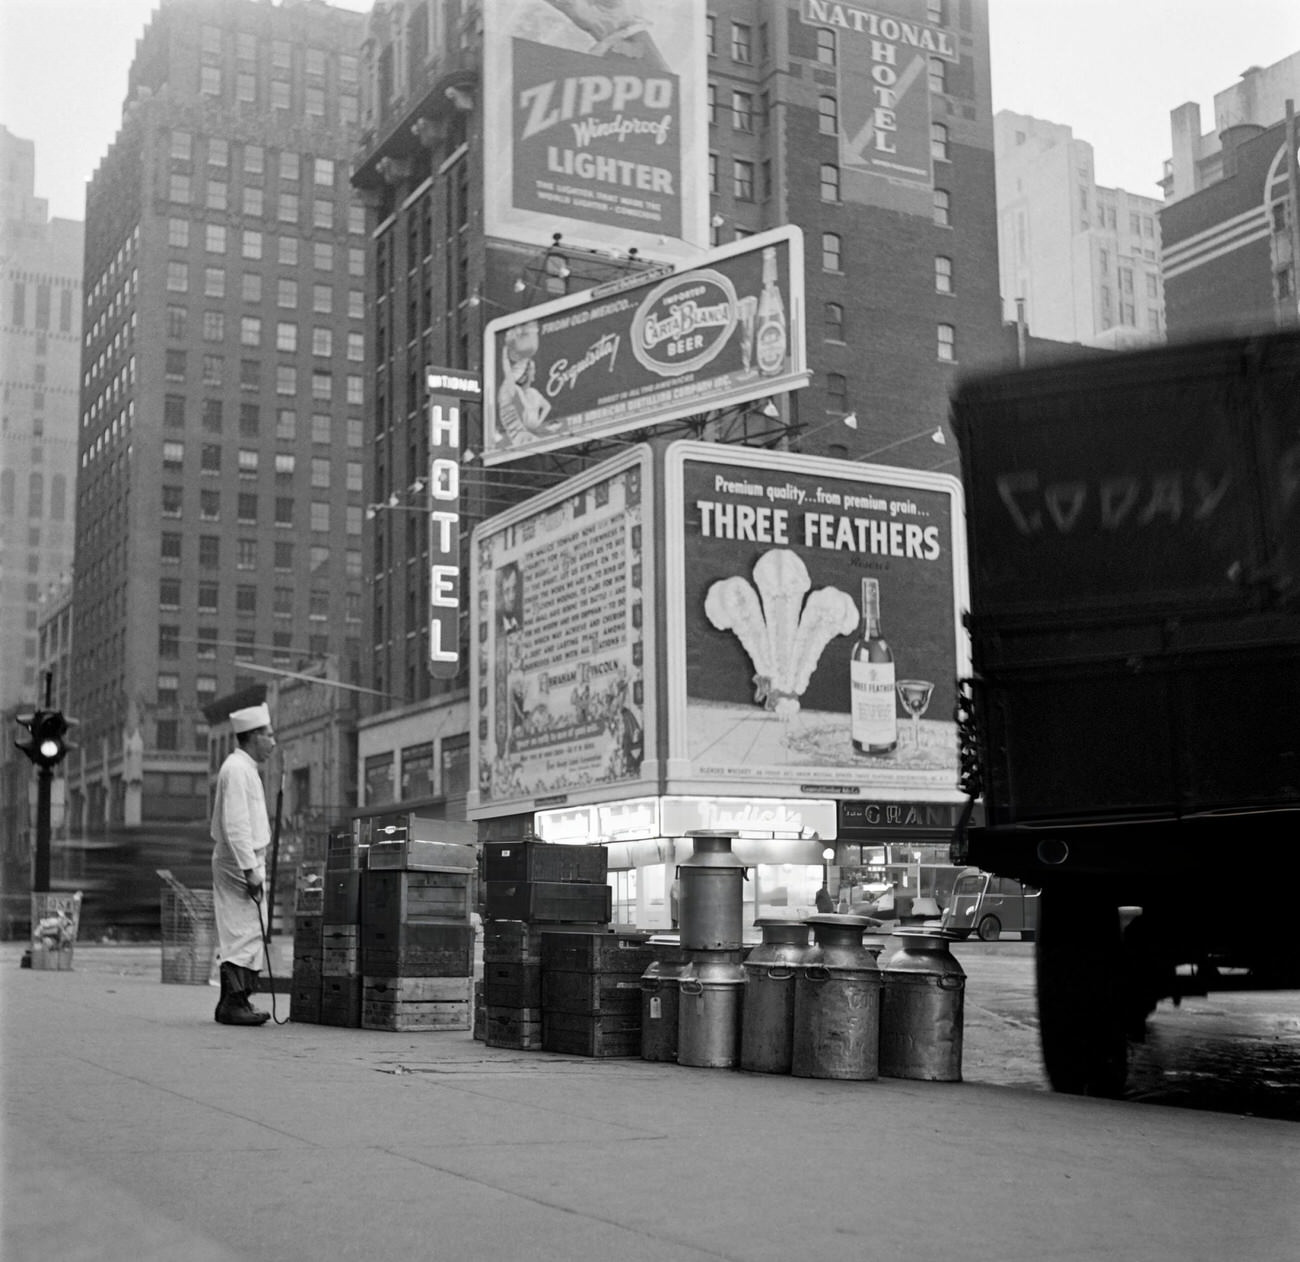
990	929
1081	1010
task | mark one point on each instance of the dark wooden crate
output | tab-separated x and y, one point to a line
599	952
419	951
304	1000
397	897
480	1013
512	942
308	930
415	1016
344	853
514	1027
614	1034
512	985
340	1001
544	861
342	903
590	994
432	856
548	901
307	969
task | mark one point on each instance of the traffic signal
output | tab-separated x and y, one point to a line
46	742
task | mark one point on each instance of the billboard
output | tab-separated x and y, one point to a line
596	124
884	94
814	631
563	663
628	355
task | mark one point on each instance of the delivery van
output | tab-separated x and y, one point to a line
990	906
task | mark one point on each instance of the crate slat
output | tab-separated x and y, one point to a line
615	1034
415	1016
554	901
590	994
599	952
417	989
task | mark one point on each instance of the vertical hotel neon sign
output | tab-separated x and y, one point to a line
447	390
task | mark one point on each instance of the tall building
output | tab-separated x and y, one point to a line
221	460
1078	262
1231	228
1257	99
40	336
899	224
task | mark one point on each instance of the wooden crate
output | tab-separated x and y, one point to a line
544	861
340	951
396	898
417	989
426	856
418	951
613	1034
308	933
415	1016
304	1000
514	1027
599	952
548	901
340	1001
511	942
512	985
480	1013
590	994
307	969
342	898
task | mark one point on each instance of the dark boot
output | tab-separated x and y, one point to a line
250	988
234	1008
225	994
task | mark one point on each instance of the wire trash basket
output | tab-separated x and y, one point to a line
189	933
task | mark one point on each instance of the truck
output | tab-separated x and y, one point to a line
1132	718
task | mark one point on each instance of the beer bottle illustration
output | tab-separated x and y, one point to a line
770	338
873	710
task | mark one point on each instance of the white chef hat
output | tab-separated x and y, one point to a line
250	718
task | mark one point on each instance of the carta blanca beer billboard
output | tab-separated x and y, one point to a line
814	634
725	331
595	125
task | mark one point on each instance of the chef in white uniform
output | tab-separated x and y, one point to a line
241	831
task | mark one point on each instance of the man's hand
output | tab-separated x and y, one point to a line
254	879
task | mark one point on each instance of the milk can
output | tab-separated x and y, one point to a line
837	1003
767	1026
921	1009
712	994
659	1009
710	904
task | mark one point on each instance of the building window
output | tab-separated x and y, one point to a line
356	347
284	464
322	299
169	593
178	278
742	111
315	102
251	287
169	640
178	233
1153	287
172	499
742	43
825	46
252	245
711	35
182	146
206	648
176	322
286	379
209	505
284	563
320	472
286	293
939	142
209	551
279	94
284	510
215	238
168	686
947	344
173	455
217	195
830	182
322	342
170	547
245	599
214	282
831	252
828	116
253	202
936	70
246	554
248	459
246	510
287	208
213	369
208	597
249	420
250	374
322	385
943	274
743	180
320	516
713	175
711	98
833	322
214	326
942	206
837	392
178	188
245	87
210	458
212	415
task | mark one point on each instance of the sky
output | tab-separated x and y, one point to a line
1110	69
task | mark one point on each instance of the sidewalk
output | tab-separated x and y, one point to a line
136	1128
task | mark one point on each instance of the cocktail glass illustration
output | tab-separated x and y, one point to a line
915	695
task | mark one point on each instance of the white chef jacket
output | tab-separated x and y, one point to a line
241	831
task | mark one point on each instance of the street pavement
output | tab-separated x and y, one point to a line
136	1128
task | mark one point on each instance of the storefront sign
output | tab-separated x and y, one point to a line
724	332
749	816
867	821
596	124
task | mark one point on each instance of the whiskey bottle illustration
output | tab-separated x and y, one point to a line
873	710
770	338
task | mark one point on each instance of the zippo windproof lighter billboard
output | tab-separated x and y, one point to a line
725	331
814	626
595	124
562	665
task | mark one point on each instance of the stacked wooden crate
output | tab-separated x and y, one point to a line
417	942
531	886
308	932
591	992
341	931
